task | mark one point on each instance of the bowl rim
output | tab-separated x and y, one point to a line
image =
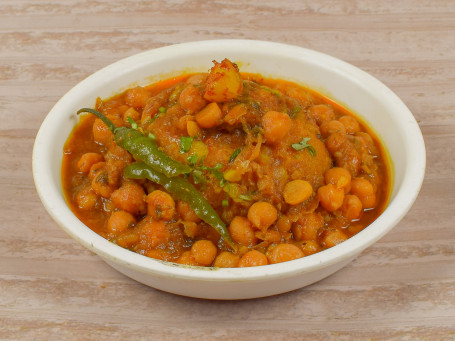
397	208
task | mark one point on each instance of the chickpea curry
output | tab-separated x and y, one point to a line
224	169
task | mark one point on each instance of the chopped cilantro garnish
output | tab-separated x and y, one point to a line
198	177
234	154
185	144
245	197
217	174
131	121
303	144
192	159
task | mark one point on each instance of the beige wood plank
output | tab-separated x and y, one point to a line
51	288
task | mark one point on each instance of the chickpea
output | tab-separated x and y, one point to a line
242	232
196	79
297	191
310	247
350	123
96	168
329	127
330	197
210	116
233	175
283	253
368	201
160	205
226	259
276	125
87	160
153	232
130	197
137	97
361	187
203	252
132	113
308	226
191	229
100	184
340	177
86	198
120	221
253	258
270	236
117	153
352	207
101	132
191	99
367	139
365	191
284	224
321	113
186	212
262	215
334	142
187	259
127	240
157	254
333	238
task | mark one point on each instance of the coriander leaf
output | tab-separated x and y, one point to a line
192	159
217	174
312	151
303	144
198	177
234	154
245	197
131	121
185	144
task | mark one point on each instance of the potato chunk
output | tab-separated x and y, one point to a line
224	82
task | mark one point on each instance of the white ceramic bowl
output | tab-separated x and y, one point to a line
348	85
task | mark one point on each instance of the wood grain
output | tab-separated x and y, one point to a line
51	288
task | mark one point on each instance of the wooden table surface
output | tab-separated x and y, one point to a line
51	288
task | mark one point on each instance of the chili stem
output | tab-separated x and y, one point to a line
102	117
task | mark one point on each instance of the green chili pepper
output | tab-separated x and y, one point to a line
142	147
181	189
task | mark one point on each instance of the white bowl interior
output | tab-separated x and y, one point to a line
366	96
